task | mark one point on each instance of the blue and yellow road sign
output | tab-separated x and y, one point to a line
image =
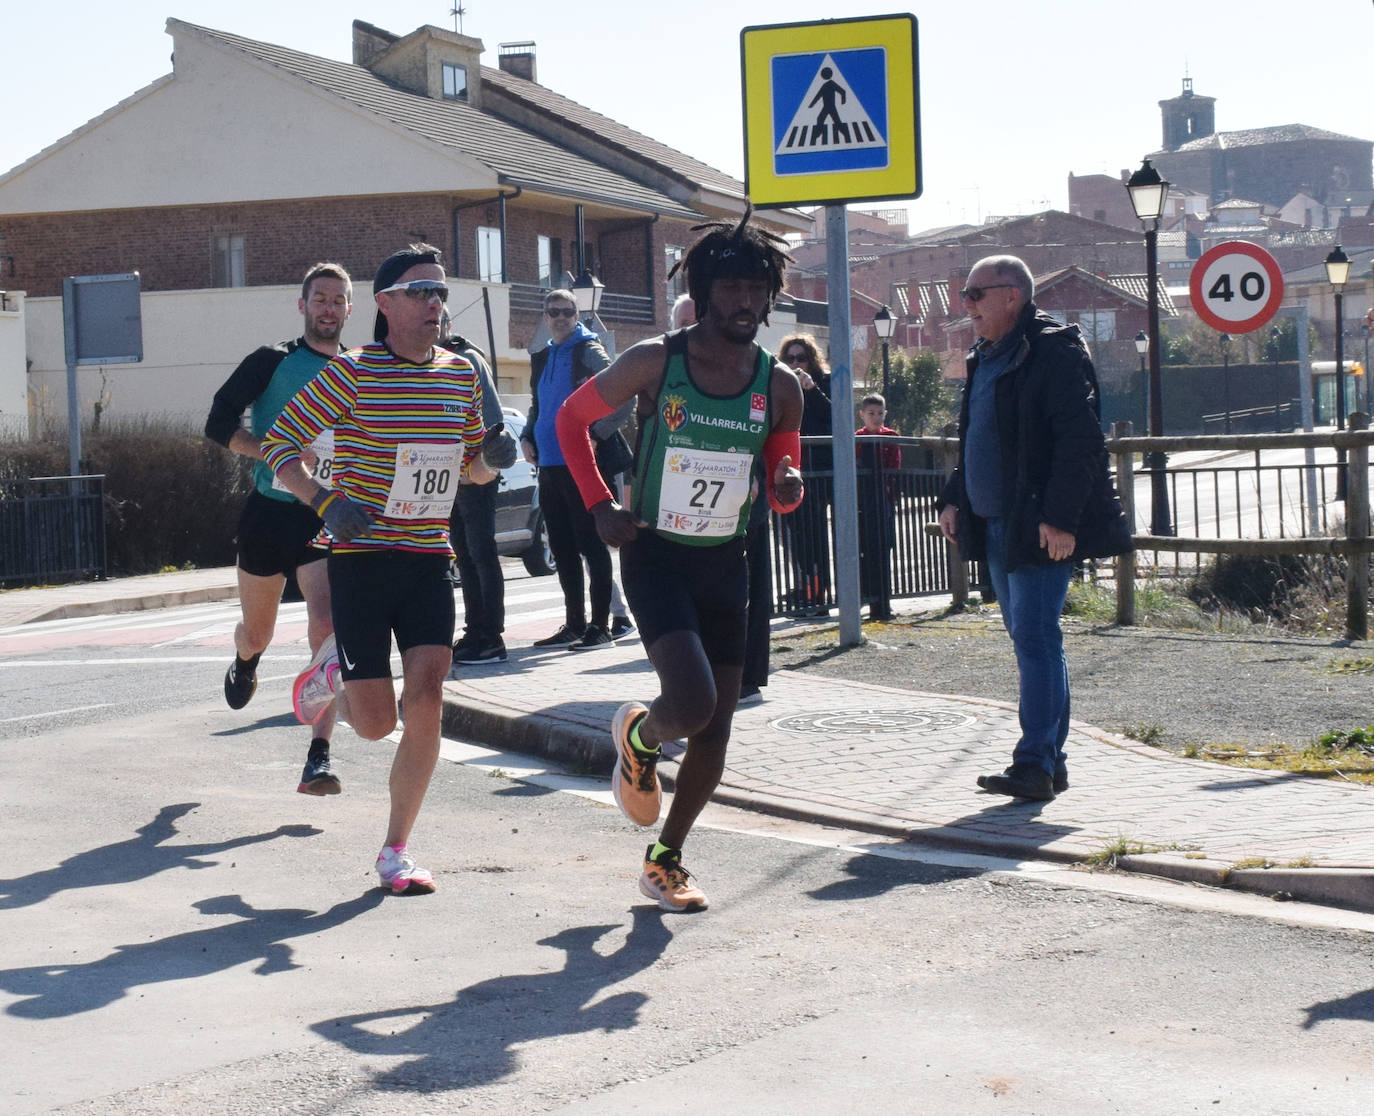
831	112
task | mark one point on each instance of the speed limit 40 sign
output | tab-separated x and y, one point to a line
1236	287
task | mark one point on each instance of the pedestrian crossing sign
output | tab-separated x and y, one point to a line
831	111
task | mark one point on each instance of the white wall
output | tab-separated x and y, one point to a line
14	402
193	340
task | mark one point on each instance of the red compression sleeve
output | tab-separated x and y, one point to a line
582	408
779	444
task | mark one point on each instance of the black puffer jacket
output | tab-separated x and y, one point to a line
1054	461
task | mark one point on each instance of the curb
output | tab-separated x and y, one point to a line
170	599
587	751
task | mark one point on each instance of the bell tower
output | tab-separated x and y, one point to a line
1187	117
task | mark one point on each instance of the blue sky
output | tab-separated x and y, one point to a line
1014	95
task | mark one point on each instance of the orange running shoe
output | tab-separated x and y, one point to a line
667	882
634	780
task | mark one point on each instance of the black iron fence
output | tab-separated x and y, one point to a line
898	555
51	529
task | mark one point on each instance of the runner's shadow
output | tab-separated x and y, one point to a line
279	720
54	991
471	1040
871	875
135	859
1358	1005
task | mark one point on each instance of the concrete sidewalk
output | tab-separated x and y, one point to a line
892	762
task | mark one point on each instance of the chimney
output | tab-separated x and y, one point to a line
517	59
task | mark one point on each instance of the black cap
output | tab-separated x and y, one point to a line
391	269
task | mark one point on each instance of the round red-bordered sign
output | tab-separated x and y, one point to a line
1236	287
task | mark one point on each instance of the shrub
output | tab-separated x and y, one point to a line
1295	589
172	498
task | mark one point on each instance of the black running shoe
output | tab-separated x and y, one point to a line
476	654
239	685
621	626
318	777
595	636
564	637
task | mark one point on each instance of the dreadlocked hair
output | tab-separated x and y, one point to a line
727	251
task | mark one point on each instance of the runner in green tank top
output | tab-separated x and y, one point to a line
710	402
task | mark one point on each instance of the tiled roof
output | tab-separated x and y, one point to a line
1239	203
614	133
518	157
1253	137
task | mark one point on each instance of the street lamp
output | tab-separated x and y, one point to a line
586	291
1337	272
883	325
1147	193
1142	346
1226	377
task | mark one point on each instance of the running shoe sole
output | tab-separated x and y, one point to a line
314	687
641	806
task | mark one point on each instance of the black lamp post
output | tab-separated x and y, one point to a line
1147	192
1142	346
883	325
1226	378
1337	272
586	291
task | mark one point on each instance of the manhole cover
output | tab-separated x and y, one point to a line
865	722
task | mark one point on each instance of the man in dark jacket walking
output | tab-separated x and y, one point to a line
1030	496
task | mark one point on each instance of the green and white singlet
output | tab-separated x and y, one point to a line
694	466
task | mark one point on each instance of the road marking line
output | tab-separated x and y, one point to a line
57	712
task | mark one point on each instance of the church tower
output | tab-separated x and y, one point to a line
1187	117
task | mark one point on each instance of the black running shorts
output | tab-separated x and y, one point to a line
672	587
392	591
275	535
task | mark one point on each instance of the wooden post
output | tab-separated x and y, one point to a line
1357	530
958	568
1125	563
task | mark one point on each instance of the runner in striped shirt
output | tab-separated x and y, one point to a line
407	422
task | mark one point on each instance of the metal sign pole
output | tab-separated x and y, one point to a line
842	423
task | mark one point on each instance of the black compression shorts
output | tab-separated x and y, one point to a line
672	587
275	536
377	594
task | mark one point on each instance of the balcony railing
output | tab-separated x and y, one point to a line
637	309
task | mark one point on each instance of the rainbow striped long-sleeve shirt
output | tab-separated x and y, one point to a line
403	433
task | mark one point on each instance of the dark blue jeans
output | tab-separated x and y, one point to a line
472	529
1032	599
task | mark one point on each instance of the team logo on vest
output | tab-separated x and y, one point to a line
674	412
757	404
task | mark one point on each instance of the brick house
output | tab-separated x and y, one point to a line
250	161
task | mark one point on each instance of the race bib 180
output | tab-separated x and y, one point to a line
425	480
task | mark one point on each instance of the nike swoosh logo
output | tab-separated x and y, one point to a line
344	656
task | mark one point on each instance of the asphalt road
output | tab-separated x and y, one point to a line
180	930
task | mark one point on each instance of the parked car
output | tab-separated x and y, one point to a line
520	530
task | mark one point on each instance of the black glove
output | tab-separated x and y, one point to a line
344	519
499	448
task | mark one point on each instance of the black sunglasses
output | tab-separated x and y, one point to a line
976	294
561	312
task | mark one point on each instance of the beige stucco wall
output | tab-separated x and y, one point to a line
14	406
193	340
275	137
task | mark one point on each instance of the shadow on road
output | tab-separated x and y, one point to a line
135	859
471	1040
59	990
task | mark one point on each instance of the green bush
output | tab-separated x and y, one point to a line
172	498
